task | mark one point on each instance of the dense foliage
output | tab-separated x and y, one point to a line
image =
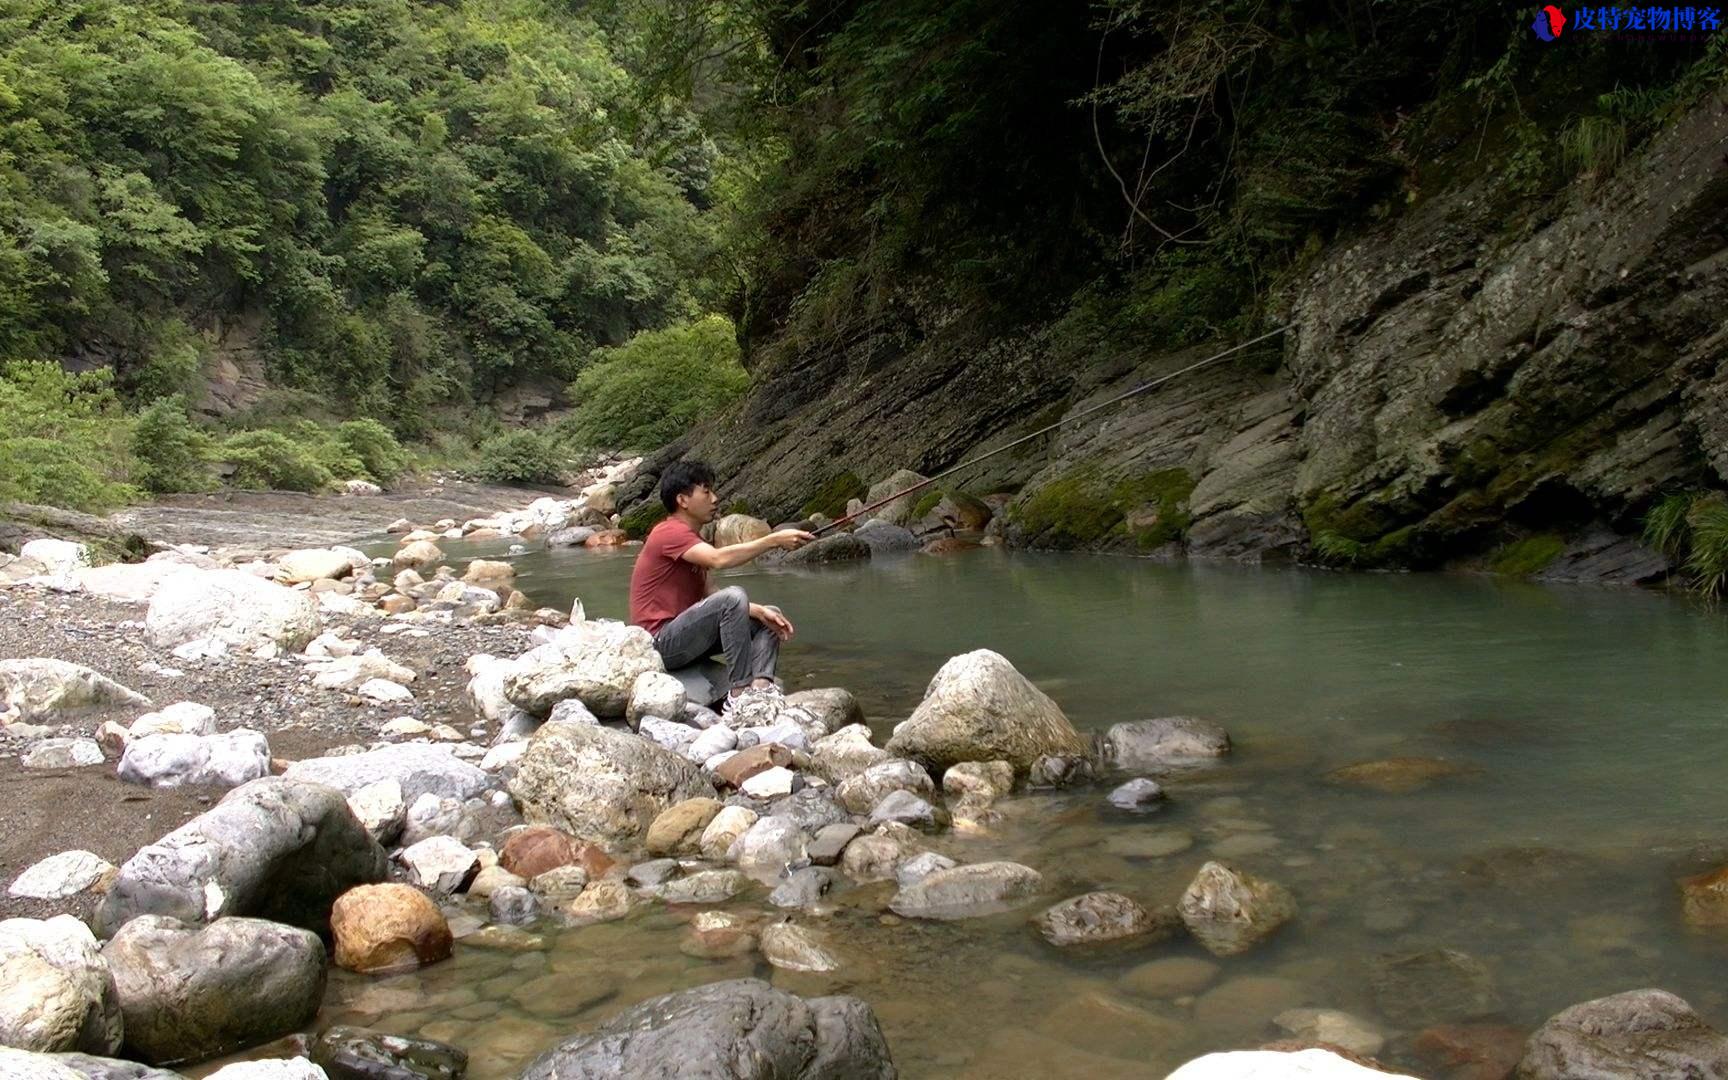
426	201
413	208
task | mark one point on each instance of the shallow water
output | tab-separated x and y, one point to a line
1591	722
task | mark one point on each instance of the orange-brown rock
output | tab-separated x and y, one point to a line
609	538
483	534
678	829
949	545
1705	898
1471	1051
747	763
1396	776
539	848
397	604
380	928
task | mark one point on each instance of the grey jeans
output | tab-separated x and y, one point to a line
722	623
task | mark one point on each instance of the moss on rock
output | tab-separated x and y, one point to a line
1082	508
1521	558
831	498
639	519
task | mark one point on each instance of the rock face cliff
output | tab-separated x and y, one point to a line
1447	386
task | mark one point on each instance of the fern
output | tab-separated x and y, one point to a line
1707	562
1665	527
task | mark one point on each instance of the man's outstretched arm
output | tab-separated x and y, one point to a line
709	557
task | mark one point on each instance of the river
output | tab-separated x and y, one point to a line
1587	725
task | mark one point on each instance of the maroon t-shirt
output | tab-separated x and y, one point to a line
663	584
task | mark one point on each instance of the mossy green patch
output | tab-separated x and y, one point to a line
926	504
831	498
1081	508
643	517
1521	558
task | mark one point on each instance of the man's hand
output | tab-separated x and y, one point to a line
772	618
789	538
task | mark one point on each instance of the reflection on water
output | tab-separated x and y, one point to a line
1591	721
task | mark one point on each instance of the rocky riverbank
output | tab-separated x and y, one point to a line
239	775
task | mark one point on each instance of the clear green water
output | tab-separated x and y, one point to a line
1595	723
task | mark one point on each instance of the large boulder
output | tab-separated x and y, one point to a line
835	548
419	768
55	990
596	661
599	784
388	927
739	529
39	688
275	848
1638	1033
1167	742
885	538
979	708
742	1029
231	606
1229	912
897	511
226	760
192	992
965	892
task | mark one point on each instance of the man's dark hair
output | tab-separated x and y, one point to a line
681	478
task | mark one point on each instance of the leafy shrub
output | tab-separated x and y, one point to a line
1692	529
380	456
172	454
520	457
270	460
63	438
647	392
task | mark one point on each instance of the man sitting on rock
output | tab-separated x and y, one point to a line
672	598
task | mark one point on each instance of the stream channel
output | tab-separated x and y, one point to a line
1588	724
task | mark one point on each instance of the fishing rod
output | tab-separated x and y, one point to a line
1065	420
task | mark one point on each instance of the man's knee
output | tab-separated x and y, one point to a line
734	597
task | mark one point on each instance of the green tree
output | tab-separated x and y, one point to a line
644	394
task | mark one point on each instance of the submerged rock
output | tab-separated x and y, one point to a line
1644	1033
275	848
1396	776
1704	899
1230	912
599	784
1097	917
796	948
1164	743
377	1055
758	1032
979	708
1432	987
192	992
965	892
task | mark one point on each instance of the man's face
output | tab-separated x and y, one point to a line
700	503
